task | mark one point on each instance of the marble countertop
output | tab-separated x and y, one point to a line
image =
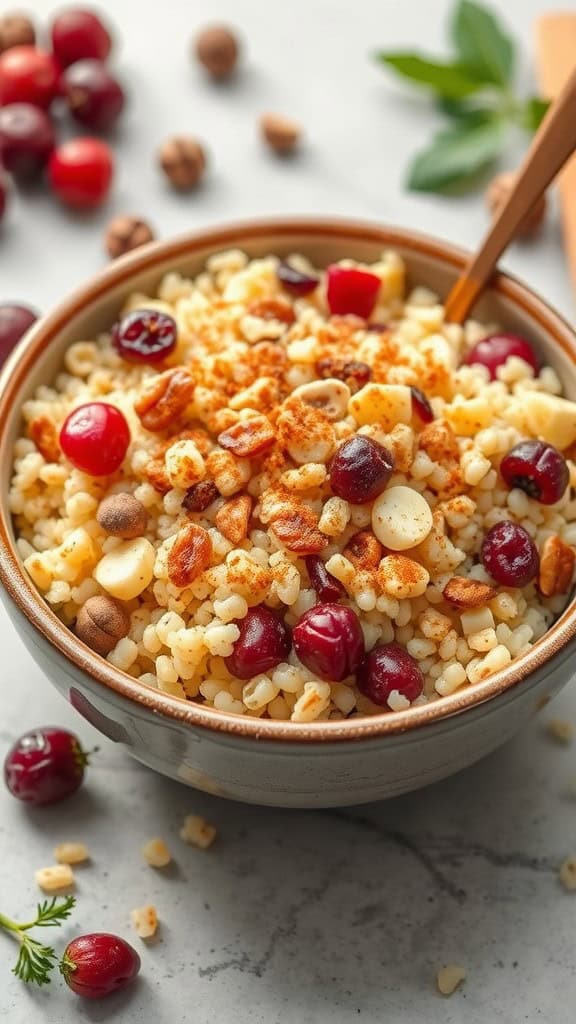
294	917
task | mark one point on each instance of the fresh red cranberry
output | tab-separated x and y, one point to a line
80	172
389	667
45	766
295	281
328	640
78	34
26	139
263	643
28	75
95	438
494	350
99	964
510	555
14	322
360	469
95	97
351	290
145	336
421	406
327	587
537	468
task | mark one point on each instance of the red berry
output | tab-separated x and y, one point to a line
496	349
28	75
14	322
99	964
263	643
510	555
95	437
360	469
389	667
94	96
145	336
328	640
327	587
80	172
421	406
44	766
26	139
295	281
537	468
79	34
351	290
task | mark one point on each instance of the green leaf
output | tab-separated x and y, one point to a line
482	46
450	80
457	156
533	112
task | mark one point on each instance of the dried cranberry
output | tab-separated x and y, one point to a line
387	668
351	290
263	643
327	587
537	468
328	640
95	438
145	336
26	139
510	555
95	97
421	406
496	349
295	281
79	34
28	75
80	172
44	766
99	964
200	496
360	469
14	322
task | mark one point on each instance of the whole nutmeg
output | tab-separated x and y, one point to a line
122	515
217	50
183	161
101	623
498	191
125	233
281	133
16	30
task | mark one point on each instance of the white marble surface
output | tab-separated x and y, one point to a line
294	918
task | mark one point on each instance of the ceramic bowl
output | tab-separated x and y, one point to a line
271	762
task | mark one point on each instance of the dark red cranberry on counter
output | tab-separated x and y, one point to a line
421	406
95	438
26	139
263	643
79	34
296	281
351	290
496	349
44	766
145	336
510	555
327	587
28	75
95	98
80	172
388	668
537	468
14	322
99	964
360	469
328	640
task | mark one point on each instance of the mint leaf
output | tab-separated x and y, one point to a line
450	80
457	156
533	112
481	44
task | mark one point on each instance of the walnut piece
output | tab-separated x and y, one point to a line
164	399
189	556
249	437
183	161
465	593
297	529
273	309
43	432
280	133
556	567
233	518
364	550
125	233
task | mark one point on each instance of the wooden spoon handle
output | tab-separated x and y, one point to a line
553	144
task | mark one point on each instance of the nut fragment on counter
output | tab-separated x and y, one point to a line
56	878
567	874
156	853
145	921
125	233
217	49
183	160
101	623
197	831
122	515
449	978
280	133
71	853
498	191
16	30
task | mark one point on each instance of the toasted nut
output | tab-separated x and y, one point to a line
567	874
498	191
156	853
127	570
329	395
305	432
200	496
297	529
233	518
101	623
402	577
401	518
439	441
189	555
16	30
217	50
165	398
56	878
183	161
449	978
125	233
156	475
122	515
248	438
43	432
363	550
197	831
281	133
556	567
551	418
71	853
145	921
185	465
465	593
273	309
385	404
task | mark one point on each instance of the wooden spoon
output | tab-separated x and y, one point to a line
553	144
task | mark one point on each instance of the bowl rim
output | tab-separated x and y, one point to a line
22	592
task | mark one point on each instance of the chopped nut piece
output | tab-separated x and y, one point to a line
124	234
71	853
363	550
197	831
297	528
248	438
281	133
127	570
560	730
156	853
165	398
330	395
567	874
273	309
101	623
55	878
556	567
402	577
200	496
189	556
439	442
449	978
122	515
145	921
217	50
465	593
45	436
233	518
183	161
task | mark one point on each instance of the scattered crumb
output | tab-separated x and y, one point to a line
156	853
560	730
53	879
197	831
567	873
145	921
71	853
449	978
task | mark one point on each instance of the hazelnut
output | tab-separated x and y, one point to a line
183	161
280	133
122	515
497	194
217	50
126	233
16	30
101	623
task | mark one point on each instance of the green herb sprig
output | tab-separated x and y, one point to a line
474	89
36	961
